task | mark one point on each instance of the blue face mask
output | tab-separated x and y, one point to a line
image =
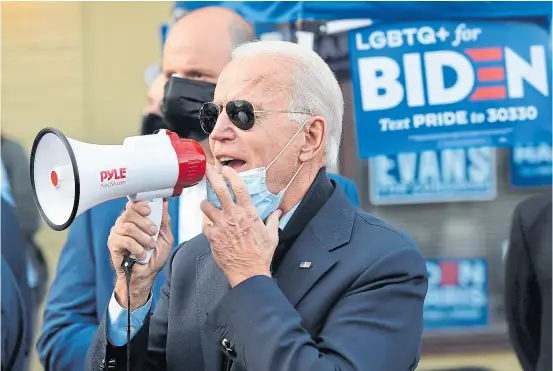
255	180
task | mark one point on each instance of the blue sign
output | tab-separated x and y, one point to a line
531	165
457	294
448	175
435	85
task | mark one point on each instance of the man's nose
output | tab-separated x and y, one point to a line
224	129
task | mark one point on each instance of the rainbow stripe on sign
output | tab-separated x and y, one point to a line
492	74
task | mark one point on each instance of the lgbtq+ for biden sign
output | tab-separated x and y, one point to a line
433	85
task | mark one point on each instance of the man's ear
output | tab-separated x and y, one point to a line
315	133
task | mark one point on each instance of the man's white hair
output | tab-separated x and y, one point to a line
315	88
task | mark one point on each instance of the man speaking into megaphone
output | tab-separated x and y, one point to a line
287	275
197	48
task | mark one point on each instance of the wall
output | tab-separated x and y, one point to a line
76	66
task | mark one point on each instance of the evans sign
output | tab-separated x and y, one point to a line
448	175
430	85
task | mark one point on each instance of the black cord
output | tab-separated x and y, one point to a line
127	266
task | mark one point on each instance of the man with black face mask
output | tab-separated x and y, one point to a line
197	48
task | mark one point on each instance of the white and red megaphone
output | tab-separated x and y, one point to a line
69	177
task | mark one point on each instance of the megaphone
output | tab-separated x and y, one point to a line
69	177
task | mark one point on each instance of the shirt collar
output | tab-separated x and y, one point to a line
286	217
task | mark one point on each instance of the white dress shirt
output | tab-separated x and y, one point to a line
190	215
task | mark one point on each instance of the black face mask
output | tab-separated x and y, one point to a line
151	123
181	106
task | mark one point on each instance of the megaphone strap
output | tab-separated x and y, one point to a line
127	265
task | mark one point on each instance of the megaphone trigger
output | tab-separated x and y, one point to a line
156	207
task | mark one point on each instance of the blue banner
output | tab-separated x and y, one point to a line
457	294
435	85
449	175
531	165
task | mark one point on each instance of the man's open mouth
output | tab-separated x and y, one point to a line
232	162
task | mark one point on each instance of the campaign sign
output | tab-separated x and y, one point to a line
447	175
434	85
531	165
457	294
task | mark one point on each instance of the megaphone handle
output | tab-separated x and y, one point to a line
156	207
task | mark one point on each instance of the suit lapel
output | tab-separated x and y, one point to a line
211	286
295	281
329	229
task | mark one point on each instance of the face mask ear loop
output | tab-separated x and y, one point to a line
294	177
287	145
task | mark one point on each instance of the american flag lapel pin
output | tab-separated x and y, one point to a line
305	265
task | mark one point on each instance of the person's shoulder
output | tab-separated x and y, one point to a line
99	218
107	211
373	240
377	228
377	249
11	144
534	207
535	202
340	179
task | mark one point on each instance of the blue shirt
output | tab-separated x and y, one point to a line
117	315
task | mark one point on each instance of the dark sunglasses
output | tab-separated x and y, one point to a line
240	112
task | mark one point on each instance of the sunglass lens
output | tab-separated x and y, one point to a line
208	116
241	113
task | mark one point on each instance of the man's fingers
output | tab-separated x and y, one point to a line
273	221
207	229
133	231
237	185
126	245
130	215
165	217
219	186
210	211
140	207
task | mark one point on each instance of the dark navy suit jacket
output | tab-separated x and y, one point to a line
348	186
358	307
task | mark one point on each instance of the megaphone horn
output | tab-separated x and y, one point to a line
69	177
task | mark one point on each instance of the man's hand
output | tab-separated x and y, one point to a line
241	244
132	234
